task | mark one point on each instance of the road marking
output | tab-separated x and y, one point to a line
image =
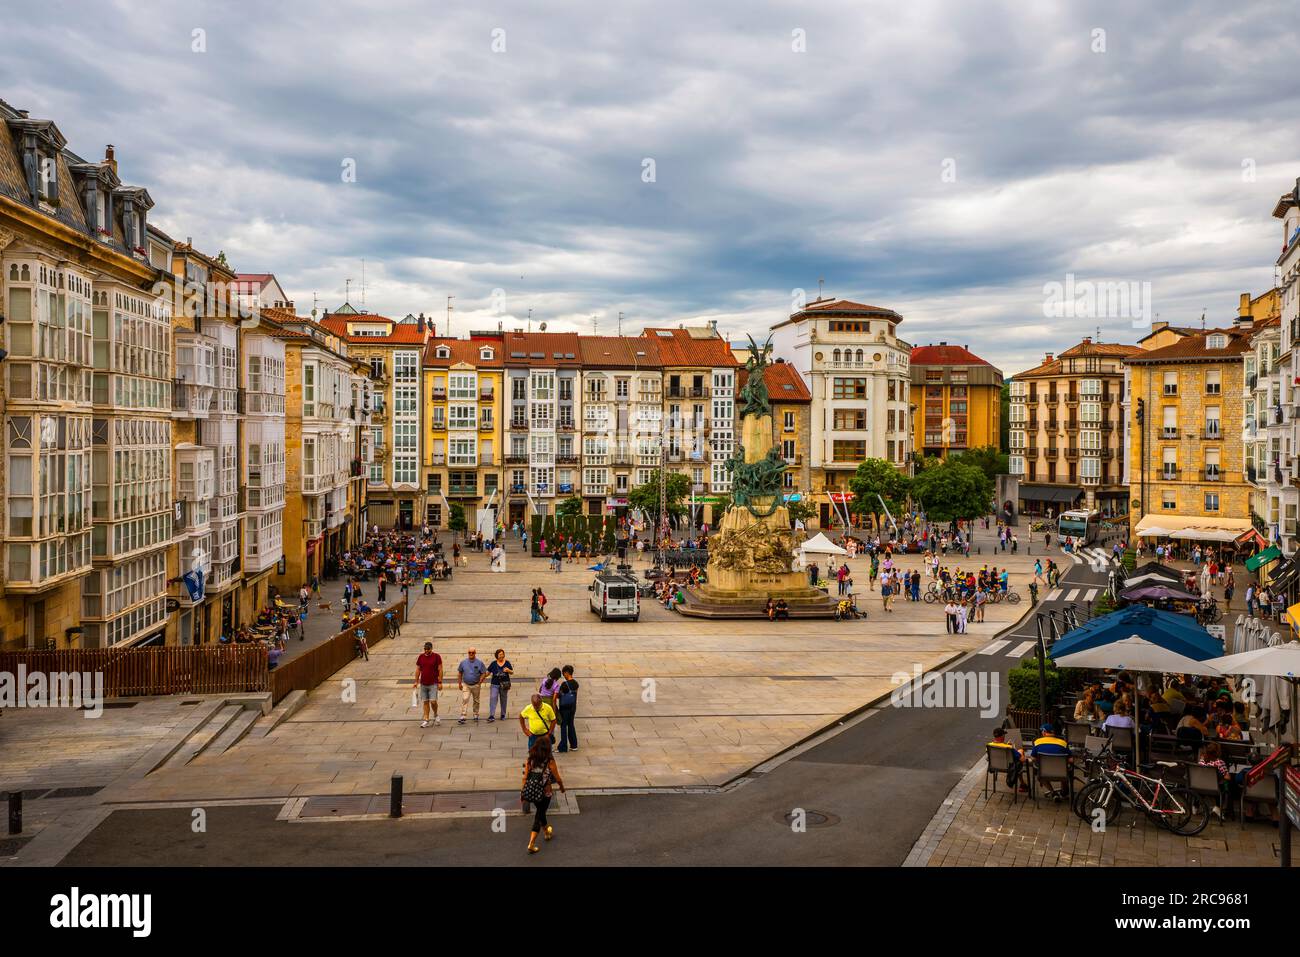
994	648
1074	593
1019	650
1052	595
1090	594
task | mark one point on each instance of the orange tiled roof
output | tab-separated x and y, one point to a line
945	355
1089	348
677	347
784	383
463	350
542	348
400	334
1194	347
619	352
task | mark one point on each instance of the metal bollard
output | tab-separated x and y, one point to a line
15	812
395	797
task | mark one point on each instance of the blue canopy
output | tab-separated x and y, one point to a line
1177	633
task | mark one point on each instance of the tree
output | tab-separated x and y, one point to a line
987	459
878	479
570	506
949	491
646	497
456	519
801	511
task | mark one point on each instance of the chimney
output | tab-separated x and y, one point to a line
420	321
110	159
943	343
1243	310
1048	358
1087	340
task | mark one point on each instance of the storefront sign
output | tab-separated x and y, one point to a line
1291	797
841	496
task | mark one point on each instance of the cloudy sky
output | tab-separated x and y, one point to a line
677	163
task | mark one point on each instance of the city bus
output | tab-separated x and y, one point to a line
1080	525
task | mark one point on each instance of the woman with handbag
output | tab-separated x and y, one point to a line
540	774
501	670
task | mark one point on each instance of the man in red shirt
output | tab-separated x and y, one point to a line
428	681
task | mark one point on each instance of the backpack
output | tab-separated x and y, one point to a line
568	696
534	788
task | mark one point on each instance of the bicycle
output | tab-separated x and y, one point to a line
1176	809
393	626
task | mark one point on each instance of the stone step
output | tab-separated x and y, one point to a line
203	736
232	734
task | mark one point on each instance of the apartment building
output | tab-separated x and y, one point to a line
228	413
958	399
791	422
326	447
1067	429
622	418
858	372
1186	449
463	385
85	399
699	411
1277	398
542	379
394	352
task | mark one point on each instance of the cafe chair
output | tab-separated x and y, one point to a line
1121	740
999	762
1053	769
1204	780
1076	733
1263	791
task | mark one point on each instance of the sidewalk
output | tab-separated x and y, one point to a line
323	624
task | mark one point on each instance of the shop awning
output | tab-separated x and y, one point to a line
1251	536
1192	528
1270	554
1049	493
1284	576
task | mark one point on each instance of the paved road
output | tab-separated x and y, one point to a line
878	782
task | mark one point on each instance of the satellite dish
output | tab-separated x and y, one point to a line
542	327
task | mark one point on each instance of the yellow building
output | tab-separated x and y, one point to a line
328	398
958	399
394	351
1186	428
462	463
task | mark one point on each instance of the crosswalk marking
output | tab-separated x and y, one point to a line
1052	595
1019	650
1090	594
994	648
1074	593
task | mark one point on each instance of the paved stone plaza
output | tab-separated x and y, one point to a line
666	702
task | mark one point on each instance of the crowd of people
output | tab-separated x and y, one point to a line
554	705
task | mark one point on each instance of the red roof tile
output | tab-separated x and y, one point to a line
542	348
784	383
677	347
945	355
619	352
463	350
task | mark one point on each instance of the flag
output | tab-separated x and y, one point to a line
193	582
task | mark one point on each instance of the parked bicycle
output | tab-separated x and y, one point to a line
393	626
1176	809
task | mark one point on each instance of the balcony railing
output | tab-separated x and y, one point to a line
684	392
462	490
1213	434
1071	455
1169	473
518	423
1169	432
438	458
486	426
1213	475
516	460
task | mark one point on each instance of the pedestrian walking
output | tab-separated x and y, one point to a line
541	777
501	669
950	617
469	680
568	710
315	585
428	681
541	605
383	587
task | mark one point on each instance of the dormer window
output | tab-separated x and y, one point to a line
1216	342
485	354
442	352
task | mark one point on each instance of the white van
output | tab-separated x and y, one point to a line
615	596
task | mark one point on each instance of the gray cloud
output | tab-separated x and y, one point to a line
522	170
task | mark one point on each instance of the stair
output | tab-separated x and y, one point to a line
227	725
